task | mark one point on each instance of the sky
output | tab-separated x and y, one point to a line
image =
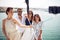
32	3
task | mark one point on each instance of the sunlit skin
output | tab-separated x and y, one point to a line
36	19
19	12
30	14
10	14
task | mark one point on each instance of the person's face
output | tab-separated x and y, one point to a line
19	12
36	18
30	14
10	13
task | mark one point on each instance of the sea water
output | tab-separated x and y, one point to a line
50	27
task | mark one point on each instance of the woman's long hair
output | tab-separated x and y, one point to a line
32	14
37	15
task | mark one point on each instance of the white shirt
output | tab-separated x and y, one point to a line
37	27
20	21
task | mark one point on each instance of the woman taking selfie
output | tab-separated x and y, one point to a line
9	26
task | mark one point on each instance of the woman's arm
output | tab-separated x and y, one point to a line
41	29
3	28
21	25
40	33
39	38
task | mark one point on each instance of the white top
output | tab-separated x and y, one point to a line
10	26
37	27
20	21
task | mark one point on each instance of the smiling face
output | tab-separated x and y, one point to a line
37	18
9	12
30	15
19	11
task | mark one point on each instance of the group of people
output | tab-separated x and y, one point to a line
22	27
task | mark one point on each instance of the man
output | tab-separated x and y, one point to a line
20	19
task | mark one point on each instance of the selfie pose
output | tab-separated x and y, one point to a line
9	26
